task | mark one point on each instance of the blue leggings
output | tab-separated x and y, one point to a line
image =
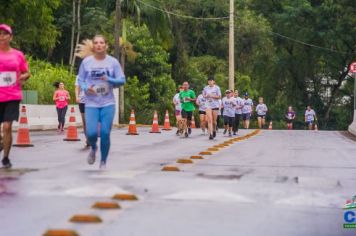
104	115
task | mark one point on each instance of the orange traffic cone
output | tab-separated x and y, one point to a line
192	124
23	133
155	127
72	132
270	125
167	125
132	125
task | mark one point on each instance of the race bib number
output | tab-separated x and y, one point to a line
7	79
61	98
101	89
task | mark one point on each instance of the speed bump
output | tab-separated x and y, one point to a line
219	146
60	232
205	153
106	205
170	168
185	161
196	157
125	197
85	219
228	142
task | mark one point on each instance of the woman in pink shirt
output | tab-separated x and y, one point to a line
61	98
13	73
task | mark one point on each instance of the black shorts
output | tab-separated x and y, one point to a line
311	122
229	120
202	112
9	111
82	108
187	114
215	109
246	116
261	116
289	121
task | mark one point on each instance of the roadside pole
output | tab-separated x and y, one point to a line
231	48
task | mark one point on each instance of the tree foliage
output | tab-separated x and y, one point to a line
291	52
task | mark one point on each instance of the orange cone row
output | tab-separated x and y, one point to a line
132	124
72	132
23	132
167	124
155	127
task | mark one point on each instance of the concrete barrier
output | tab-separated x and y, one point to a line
44	117
352	127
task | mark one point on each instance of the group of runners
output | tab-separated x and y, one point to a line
212	104
99	74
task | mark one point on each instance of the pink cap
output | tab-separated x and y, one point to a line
6	28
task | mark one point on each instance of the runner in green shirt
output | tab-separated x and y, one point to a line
187	98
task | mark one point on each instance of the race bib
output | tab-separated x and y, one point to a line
7	78
61	98
101	89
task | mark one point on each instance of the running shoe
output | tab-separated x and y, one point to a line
234	133
211	137
6	163
92	156
225	131
87	145
214	134
177	133
230	135
102	165
186	134
189	131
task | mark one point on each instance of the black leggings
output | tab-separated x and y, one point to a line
237	122
61	112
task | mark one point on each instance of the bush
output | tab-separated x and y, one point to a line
44	75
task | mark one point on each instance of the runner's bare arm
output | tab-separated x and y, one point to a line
55	96
77	90
24	76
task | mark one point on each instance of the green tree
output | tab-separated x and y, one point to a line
33	24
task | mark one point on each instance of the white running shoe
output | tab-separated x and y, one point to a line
102	165
92	156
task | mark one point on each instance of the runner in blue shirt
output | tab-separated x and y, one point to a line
97	77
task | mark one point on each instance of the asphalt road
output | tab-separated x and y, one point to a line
274	183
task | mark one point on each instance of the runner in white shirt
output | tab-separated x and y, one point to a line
201	102
247	111
229	105
212	93
310	117
261	110
238	112
177	106
80	99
